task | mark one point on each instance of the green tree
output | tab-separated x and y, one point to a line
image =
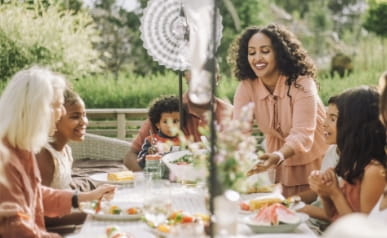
298	7
346	14
121	45
32	34
376	21
249	13
319	22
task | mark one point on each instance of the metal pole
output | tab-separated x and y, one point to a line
214	188
181	99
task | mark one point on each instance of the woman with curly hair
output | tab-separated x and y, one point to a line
277	75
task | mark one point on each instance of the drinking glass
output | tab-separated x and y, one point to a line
226	210
157	205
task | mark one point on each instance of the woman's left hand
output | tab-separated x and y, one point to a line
267	160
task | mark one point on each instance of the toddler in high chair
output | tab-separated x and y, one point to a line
164	115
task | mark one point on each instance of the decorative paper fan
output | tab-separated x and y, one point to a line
165	33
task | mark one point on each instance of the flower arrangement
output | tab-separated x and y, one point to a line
235	153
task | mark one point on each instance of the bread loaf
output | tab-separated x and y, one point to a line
121	176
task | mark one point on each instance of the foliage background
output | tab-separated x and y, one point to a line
51	37
101	53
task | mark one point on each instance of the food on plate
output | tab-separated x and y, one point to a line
164	228
260	189
293	202
132	211
107	209
180	218
121	176
275	214
244	206
115	210
255	204
186	159
114	232
203	217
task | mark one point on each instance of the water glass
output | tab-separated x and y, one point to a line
189	230
157	205
226	210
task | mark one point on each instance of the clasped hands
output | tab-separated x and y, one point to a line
325	183
266	161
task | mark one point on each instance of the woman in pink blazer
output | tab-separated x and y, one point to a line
277	75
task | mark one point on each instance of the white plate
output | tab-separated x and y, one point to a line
280	228
87	208
102	178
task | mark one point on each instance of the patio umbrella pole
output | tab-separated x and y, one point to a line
214	188
181	99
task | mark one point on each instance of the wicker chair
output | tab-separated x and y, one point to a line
100	148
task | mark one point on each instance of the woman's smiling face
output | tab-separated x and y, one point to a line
261	57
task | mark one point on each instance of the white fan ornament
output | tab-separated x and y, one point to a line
178	35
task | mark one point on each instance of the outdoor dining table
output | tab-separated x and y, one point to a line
187	198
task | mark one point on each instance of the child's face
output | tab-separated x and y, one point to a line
72	126
169	121
330	124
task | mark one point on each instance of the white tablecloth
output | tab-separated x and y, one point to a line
183	198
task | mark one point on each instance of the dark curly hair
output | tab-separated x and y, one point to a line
291	58
361	135
161	105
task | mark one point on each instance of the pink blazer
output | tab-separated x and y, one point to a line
296	121
24	189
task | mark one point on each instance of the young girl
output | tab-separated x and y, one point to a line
55	159
164	115
375	224
319	220
361	140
